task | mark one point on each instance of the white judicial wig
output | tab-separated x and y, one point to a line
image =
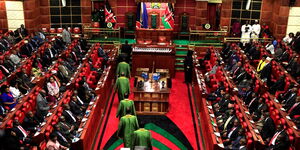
64	3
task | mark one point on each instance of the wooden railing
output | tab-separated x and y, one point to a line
105	33
204	34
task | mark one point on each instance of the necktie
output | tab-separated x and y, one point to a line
293	107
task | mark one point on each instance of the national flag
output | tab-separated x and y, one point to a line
109	15
168	18
142	16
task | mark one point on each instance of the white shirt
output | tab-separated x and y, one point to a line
270	47
15	92
287	39
15	59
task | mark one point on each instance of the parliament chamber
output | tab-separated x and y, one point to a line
149	74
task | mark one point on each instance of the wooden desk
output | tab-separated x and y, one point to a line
151	100
162	60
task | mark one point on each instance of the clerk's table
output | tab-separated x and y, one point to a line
152	98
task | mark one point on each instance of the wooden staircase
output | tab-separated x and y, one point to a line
181	52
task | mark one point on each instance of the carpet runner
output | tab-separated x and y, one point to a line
172	131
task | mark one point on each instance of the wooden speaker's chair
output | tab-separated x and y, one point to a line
184	26
130	25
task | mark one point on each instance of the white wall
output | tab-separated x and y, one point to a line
294	20
15	14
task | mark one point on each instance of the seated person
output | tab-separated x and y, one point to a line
15	58
65	128
53	143
70	117
36	71
21	133
14	89
61	138
30	122
278	85
4	69
294	109
6	97
42	106
53	90
231	134
75	106
10	141
280	139
236	143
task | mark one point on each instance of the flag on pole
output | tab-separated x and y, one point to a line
110	18
142	16
64	3
168	18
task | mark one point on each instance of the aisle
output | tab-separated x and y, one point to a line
173	131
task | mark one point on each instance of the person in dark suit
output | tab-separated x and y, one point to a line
10	141
8	63
50	53
61	138
21	133
188	67
26	49
278	85
280	139
253	104
30	122
70	117
23	31
75	107
290	98
126	49
235	144
232	133
3	69
65	128
268	128
237	70
295	108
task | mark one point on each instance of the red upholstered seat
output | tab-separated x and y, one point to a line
9	124
45	30
76	30
20	115
52	30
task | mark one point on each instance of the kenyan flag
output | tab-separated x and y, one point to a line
168	18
